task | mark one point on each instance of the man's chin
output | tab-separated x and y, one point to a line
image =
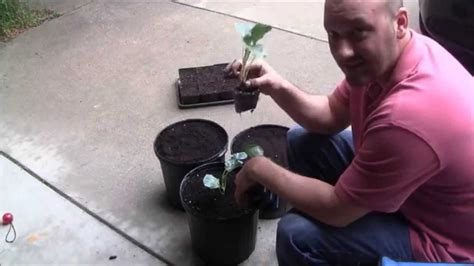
357	81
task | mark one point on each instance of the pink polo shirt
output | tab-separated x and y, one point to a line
414	142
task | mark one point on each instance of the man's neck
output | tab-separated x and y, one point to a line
402	44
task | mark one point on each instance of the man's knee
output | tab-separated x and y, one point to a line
304	149
293	228
285	248
295	135
294	241
300	139
285	230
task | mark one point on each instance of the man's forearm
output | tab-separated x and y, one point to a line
310	111
309	195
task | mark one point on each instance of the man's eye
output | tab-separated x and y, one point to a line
359	34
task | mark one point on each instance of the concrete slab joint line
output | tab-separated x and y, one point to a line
81	6
80	206
249	20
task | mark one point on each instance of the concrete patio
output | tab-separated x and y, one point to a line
82	98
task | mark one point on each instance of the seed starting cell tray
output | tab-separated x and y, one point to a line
205	86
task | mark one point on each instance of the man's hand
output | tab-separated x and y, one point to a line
245	179
310	195
261	75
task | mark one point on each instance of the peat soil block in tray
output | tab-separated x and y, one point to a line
206	85
222	233
184	145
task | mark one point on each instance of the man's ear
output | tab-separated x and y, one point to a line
401	23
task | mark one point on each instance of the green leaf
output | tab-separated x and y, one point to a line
252	33
211	181
239	156
253	150
258	31
244	29
248	40
232	164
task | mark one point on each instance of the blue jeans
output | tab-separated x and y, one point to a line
302	240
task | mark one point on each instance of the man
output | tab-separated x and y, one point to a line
400	184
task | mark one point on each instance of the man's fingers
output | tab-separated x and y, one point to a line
240	198
229	66
256	83
233	68
239	193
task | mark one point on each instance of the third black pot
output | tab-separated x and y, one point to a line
272	138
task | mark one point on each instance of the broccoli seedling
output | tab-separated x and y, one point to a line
235	161
251	34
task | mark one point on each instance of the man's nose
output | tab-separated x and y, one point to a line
344	49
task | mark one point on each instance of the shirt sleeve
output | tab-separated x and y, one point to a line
390	164
342	93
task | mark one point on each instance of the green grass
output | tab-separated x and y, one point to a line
15	17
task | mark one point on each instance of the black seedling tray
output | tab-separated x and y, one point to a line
204	86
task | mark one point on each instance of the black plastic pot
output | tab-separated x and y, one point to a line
245	99
174	170
271	206
221	240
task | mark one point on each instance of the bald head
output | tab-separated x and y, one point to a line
366	37
391	6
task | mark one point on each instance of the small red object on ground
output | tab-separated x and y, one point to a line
7	218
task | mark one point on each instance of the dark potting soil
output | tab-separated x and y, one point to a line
191	141
211	203
205	84
271	138
245	99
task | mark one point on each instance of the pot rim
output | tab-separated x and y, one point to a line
247	212
259	127
217	155
255	92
